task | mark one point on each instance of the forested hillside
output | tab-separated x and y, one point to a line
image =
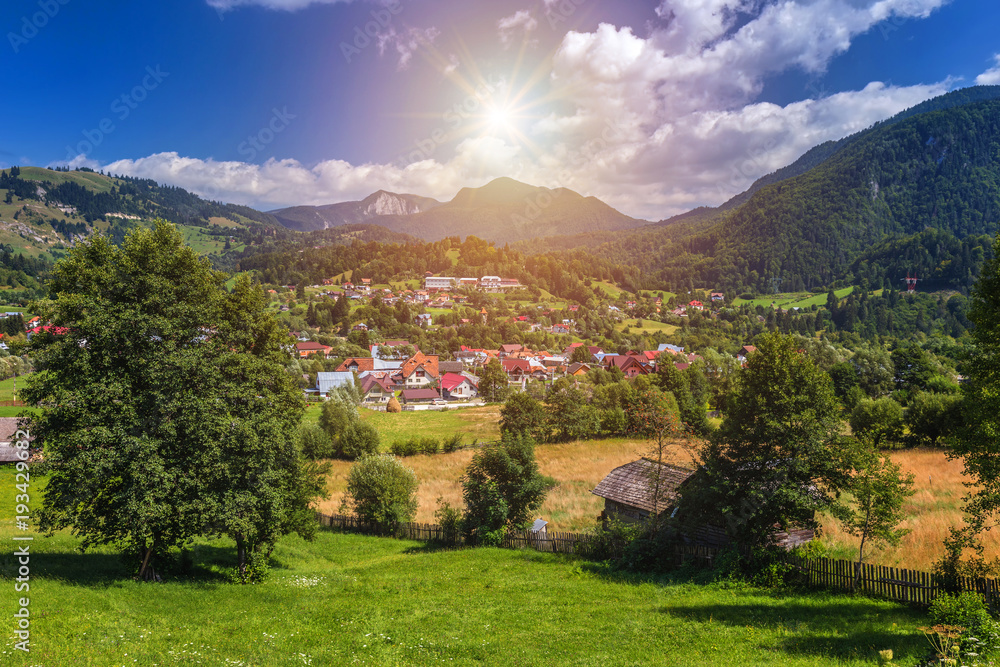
861	211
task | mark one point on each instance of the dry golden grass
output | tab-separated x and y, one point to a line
932	510
577	466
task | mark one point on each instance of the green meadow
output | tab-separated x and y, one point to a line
349	599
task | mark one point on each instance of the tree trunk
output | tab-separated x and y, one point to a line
861	552
241	551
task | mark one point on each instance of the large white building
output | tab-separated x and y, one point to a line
439	282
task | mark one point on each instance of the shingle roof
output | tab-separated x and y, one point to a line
363	364
630	484
419	394
428	361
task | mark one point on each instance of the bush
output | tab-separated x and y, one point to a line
358	440
981	634
315	442
382	490
502	488
450	520
408	447
452	444
428	446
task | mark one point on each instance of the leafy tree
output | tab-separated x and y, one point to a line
654	415
931	418
671	379
502	489
315	442
580	355
168	410
879	490
493	382
382	490
777	457
914	367
523	415
875	369
359	439
570	415
879	421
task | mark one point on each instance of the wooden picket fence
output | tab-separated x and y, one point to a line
898	584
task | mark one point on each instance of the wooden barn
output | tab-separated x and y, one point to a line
628	493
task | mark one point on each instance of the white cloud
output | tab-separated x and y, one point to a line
653	125
990	77
519	22
406	42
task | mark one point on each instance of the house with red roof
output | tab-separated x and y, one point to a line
457	385
376	390
419	370
356	365
516	369
307	348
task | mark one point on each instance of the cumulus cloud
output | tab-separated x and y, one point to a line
653	124
520	22
990	77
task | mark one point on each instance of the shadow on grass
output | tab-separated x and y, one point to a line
846	628
205	563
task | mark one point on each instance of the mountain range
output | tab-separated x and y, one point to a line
503	210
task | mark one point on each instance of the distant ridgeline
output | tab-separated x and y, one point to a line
919	192
126	195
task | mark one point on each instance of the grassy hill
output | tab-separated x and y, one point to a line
347	599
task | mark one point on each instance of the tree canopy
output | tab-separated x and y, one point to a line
168	410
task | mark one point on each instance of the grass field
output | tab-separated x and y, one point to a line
648	326
792	300
348	599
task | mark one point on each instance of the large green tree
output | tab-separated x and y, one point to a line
979	440
167	409
501	488
778	456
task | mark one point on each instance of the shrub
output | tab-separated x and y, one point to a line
409	447
452	444
428	446
382	490
980	633
358	440
450	520
316	444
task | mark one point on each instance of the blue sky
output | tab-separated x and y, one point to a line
654	106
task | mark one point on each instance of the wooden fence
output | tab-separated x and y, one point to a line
898	584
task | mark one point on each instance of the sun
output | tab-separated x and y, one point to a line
499	118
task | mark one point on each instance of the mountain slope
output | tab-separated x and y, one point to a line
935	166
503	210
369	209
